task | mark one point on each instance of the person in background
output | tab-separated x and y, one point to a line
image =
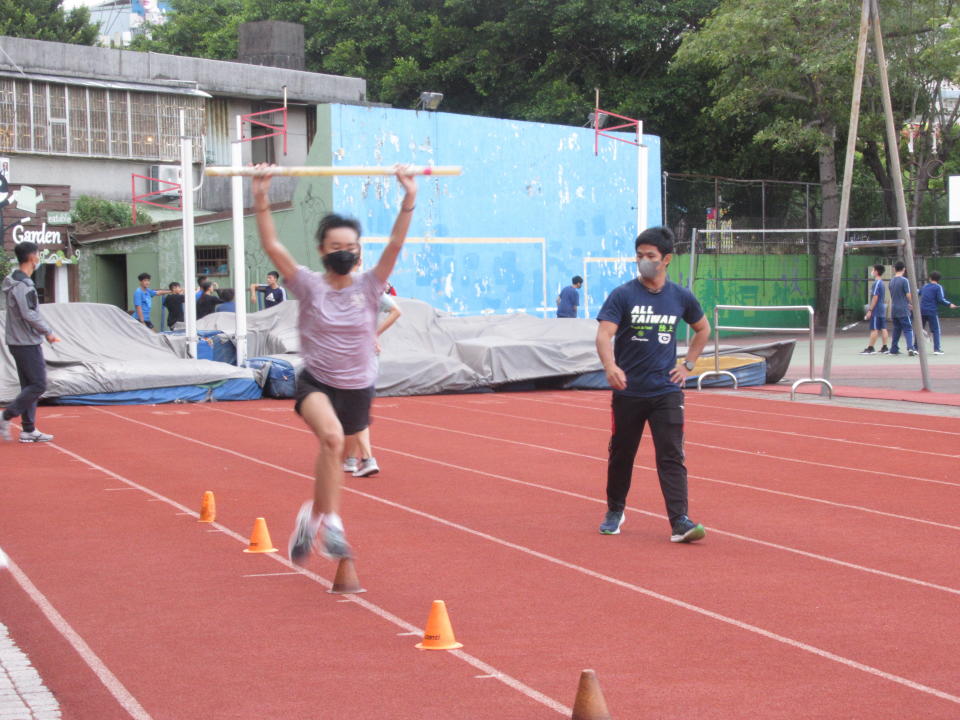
569	299
931	297
360	461
228	305
877	313
25	332
901	306
273	294
143	299
173	304
208	299
201	279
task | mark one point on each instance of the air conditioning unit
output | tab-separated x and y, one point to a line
170	173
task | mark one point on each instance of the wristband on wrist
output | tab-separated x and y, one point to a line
411	209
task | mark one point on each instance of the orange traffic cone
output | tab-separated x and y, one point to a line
439	633
208	508
589	704
260	538
346	580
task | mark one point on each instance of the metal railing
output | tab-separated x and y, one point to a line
717	327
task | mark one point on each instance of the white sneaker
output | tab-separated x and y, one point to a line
367	468
35	436
5	430
938	352
350	464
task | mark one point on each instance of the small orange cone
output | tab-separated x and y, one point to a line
260	538
589	704
439	633
346	580
208	508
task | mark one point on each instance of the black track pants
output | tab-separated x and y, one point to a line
32	371
665	415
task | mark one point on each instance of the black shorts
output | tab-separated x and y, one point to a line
351	406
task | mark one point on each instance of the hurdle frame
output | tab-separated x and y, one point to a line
717	327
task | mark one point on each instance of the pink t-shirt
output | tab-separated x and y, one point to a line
338	328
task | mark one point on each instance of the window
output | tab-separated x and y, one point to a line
213	261
62	119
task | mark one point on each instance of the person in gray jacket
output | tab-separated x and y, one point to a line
25	332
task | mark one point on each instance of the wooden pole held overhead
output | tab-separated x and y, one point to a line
325	170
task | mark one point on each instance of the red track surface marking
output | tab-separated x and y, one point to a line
407	627
906	550
109	680
505	533
547	448
713	615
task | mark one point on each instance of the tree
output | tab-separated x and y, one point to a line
526	59
198	28
790	63
47	20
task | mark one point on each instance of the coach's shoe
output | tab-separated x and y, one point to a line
304	536
35	436
5	430
884	350
350	465
911	352
612	522
938	352
868	350
366	468
335	545
686	531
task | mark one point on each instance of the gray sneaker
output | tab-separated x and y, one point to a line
366	468
35	436
686	531
612	522
350	464
5	430
335	545
302	540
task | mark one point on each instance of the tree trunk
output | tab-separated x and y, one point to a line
829	218
871	156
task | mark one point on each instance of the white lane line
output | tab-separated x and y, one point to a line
266	574
588	498
475	662
694	400
826	654
688	442
859	443
109	680
756	488
823	438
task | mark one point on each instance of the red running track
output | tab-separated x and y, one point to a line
827	585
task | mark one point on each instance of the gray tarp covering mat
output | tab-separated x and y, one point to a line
107	357
428	351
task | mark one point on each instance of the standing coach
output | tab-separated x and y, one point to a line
637	345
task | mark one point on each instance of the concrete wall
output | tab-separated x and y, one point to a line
217	77
533	204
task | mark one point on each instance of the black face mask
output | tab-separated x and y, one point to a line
341	262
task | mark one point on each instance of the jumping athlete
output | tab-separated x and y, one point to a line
637	345
337	321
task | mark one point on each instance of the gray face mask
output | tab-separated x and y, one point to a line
648	269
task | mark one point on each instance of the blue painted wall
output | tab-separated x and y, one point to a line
476	238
